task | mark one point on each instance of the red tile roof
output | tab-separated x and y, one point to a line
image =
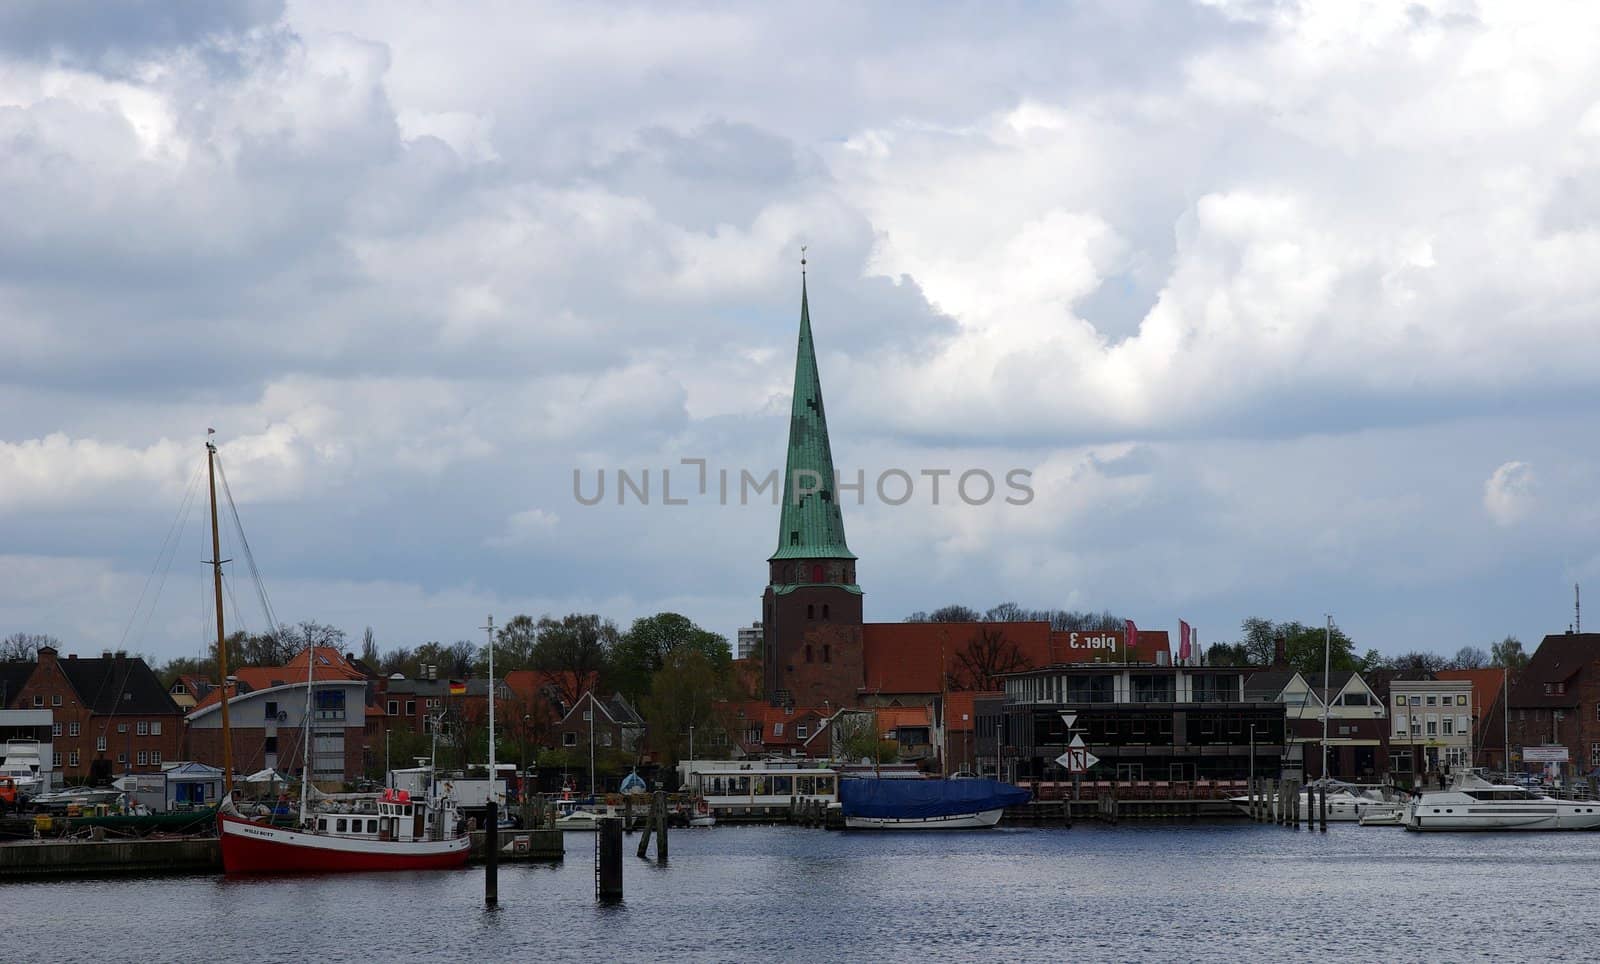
1487	685
893	718
908	657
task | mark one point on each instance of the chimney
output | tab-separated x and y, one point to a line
105	654
1280	654
72	656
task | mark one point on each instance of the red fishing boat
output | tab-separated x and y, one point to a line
401	834
404	834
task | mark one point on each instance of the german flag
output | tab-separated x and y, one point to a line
458	688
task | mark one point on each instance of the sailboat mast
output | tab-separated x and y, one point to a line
306	768
488	628
222	644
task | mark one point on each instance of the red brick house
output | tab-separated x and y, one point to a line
110	714
1556	700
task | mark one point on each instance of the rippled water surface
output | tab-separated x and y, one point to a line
1170	892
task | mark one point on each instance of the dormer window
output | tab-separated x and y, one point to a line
794	537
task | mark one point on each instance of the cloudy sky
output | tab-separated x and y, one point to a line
1288	308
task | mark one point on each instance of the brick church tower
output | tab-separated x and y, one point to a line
811	611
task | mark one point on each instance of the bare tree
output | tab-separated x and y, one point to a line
1469	657
21	647
986	656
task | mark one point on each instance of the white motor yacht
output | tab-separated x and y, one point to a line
1473	803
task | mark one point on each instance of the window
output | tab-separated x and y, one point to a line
269	745
811	611
72	758
827	650
144	758
1433	701
1449	726
1461	724
100	742
72	729
777	729
1416	701
38	699
177	689
411	707
343	826
1399	726
1433	725
605	738
144	727
394	707
569	739
55	699
155	758
155	727
1594	755
122	758
800	731
270	710
55	758
55	729
122	727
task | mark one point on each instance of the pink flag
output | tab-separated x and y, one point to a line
1183	641
1130	639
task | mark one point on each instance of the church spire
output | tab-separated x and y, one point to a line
810	525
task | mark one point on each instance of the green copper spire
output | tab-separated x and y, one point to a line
811	525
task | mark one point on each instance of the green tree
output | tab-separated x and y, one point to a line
1303	645
1508	653
683	693
515	642
644	648
573	649
1227	654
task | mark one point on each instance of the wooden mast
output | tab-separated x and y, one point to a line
222	644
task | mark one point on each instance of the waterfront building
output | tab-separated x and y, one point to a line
26	747
1555	702
1431	735
187	691
1356	724
112	713
267	715
1143	722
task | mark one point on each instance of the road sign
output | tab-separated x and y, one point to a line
1069	719
1077	741
1076	760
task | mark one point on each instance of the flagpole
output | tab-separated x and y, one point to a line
1327	660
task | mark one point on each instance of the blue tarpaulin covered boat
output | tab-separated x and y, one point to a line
877	804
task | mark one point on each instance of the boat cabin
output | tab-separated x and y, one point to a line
399	816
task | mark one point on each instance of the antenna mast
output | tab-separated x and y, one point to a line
1577	609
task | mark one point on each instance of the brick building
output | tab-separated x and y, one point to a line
109	714
267	713
1555	701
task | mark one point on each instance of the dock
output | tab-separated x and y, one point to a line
178	856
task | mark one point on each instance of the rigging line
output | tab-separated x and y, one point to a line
179	518
249	557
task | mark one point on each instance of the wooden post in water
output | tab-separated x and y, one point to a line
644	838
627	812
1324	806
661	826
608	860
491	846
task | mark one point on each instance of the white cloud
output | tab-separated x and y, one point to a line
1510	493
527	526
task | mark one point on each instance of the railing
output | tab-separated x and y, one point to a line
1139	789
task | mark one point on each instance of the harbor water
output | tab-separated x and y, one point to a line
1228	891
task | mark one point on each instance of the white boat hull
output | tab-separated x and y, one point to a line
1547	814
958	821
